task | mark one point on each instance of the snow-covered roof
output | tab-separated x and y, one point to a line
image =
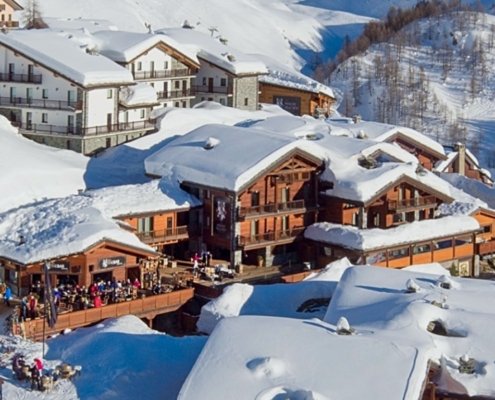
283	75
62	53
222	156
152	197
90	25
374	300
124	47
472	187
383	132
58	228
355	183
139	94
70	225
442	165
370	239
213	51
253	357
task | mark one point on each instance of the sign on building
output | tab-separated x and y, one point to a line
221	216
288	103
111	262
59	266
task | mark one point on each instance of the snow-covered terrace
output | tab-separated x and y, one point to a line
371	239
375	303
70	225
213	51
65	54
140	94
267	358
124	47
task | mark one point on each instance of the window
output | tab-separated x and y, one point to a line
67	145
204	81
422	215
487	228
177	84
44	118
355	219
349	205
443	244
152	84
11	276
206	194
2	7
184	104
145	224
177	104
376	258
222	101
326	251
255	226
139	66
45	93
223	82
142	114
463	240
398	218
246	101
422	248
109	93
202	99
410	216
165	65
255	199
399	253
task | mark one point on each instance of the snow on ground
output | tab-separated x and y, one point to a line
90	25
31	172
375	300
120	358
271	358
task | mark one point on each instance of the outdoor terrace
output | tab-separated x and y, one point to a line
283	236
162	74
175	94
163	235
274	208
214	89
416	202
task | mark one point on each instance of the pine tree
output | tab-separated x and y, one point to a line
32	17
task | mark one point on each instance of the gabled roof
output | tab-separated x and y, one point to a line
214	52
63	54
14	4
452	156
235	158
353	238
125	47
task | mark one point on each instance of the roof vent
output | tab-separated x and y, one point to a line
230	57
356	118
444	282
223	40
367	162
361	135
412	287
421	171
210	143
187	25
311	136
466	365
21	240
343	327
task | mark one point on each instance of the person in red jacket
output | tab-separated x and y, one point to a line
97	301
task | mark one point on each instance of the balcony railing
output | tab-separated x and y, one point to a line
40	103
427	201
272	208
213	89
175	94
164	234
26	78
172	73
9	24
268	237
486	248
89	131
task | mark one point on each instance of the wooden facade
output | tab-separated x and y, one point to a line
103	261
401	202
426	156
485	238
296	101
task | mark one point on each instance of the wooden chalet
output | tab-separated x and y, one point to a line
105	260
267	216
296	101
485	237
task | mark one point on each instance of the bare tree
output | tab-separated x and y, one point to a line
32	17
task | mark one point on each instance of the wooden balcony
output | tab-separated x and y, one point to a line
175	94
228	90
23	102
20	78
148	307
162	74
9	24
416	202
274	208
164	235
46	129
284	236
485	248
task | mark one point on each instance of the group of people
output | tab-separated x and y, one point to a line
35	370
204	259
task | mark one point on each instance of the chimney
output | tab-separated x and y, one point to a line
21	240
80	191
356	118
460	163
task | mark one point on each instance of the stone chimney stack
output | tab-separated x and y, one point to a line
460	163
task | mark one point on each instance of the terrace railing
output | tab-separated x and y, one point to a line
213	89
272	208
89	131
26	78
162	74
426	201
164	234
175	94
273	236
40	103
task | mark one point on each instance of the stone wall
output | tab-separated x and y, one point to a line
246	88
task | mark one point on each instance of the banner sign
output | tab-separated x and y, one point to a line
288	103
111	262
221	216
59	266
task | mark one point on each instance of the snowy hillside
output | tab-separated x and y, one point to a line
435	76
277	28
